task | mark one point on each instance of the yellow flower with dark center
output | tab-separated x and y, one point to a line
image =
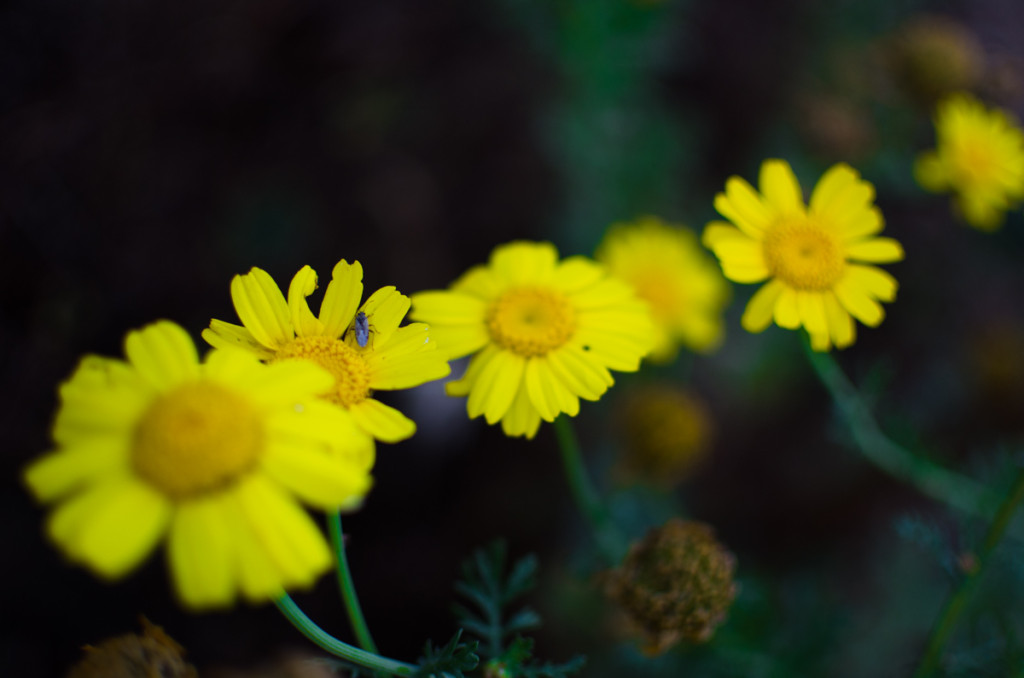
812	256
669	270
979	158
386	357
210	455
544	332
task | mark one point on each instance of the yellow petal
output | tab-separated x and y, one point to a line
840	324
930	172
876	250
200	554
221	334
741	205
341	298
60	473
577	273
547	392
303	284
761	307
522	418
321	480
480	282
787	314
720	232
262	308
581	377
408	360
285	531
112	526
780	187
524	262
258	576
163	353
323	426
496	386
455	342
874	281
381	421
859	304
276	385
447	308
463	385
812	312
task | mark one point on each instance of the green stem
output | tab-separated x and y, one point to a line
609	540
348	589
958	601
939	483
329	643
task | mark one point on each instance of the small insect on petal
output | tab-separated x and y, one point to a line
362	328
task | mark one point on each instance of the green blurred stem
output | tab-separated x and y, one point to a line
329	643
348	589
939	483
958	601
609	540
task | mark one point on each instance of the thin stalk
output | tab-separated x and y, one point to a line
330	644
348	589
931	479
958	601
609	540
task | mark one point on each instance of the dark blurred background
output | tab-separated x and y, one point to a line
149	152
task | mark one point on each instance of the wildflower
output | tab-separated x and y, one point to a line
676	584
667	268
666	433
150	654
212	455
544	333
809	255
979	158
373	354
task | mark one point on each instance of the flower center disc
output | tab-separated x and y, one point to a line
530	321
976	162
197	438
804	255
351	375
662	297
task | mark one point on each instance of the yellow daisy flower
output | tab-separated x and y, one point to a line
364	350
682	285
980	159
810	255
211	455
544	333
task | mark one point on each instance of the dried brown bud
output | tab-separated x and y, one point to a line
676	584
933	56
151	654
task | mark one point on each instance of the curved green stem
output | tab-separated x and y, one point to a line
348	589
609	540
329	643
939	483
958	601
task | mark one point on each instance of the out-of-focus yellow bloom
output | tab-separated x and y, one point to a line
979	157
669	270
810	255
209	455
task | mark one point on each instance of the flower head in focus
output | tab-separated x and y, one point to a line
544	333
364	349
813	256
669	270
676	584
979	158
211	456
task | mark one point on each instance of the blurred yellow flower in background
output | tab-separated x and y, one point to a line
378	355
808	254
672	273
213	456
544	332
979	158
